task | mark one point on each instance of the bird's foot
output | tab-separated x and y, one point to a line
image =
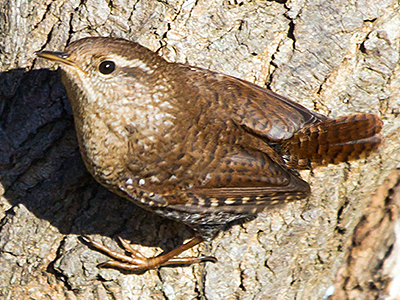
135	261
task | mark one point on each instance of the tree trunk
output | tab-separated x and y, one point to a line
335	57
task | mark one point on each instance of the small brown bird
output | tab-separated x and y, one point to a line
194	145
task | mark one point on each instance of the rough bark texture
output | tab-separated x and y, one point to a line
337	57
371	262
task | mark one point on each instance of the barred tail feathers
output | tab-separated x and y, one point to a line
333	141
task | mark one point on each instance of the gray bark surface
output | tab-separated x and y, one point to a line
371	269
335	57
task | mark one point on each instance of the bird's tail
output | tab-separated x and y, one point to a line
333	141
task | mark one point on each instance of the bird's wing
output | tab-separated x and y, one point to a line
245	180
258	109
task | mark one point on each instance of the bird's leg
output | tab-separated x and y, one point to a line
137	262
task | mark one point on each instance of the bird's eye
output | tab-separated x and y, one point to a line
107	67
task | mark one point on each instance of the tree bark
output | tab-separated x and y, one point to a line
372	261
335	57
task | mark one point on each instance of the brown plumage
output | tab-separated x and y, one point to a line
194	145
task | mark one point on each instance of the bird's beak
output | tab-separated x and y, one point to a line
59	57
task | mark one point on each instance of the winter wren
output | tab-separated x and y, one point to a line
194	145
